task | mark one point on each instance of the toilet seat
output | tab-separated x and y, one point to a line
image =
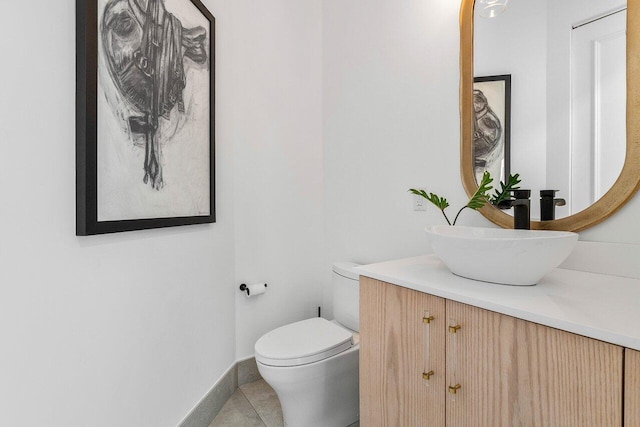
302	343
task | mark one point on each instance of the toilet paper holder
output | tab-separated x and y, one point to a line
245	288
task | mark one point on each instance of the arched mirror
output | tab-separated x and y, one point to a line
550	89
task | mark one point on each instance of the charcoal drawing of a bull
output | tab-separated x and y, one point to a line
145	49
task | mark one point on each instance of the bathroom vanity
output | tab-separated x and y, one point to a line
440	350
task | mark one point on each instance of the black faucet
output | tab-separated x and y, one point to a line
521	205
548	204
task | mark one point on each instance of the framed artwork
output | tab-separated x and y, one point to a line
492	126
145	119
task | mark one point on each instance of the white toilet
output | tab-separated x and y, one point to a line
313	365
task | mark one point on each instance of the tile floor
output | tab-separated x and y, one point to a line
252	405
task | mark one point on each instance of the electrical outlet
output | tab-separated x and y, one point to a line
419	202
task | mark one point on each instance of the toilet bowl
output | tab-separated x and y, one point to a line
313	364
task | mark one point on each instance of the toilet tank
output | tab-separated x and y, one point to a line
346	295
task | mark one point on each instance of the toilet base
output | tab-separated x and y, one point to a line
319	394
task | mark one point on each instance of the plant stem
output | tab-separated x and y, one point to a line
445	217
458	214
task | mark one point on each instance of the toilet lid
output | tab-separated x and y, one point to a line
302	342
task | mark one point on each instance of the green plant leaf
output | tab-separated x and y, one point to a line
440	202
478	200
503	193
480	197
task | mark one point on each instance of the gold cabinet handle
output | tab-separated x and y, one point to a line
454	329
427	319
453	389
427	375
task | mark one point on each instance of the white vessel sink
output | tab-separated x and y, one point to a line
496	255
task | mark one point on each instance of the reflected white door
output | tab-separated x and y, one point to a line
598	108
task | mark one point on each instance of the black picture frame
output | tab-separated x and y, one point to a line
87	58
499	87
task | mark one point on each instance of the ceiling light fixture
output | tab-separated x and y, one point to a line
491	8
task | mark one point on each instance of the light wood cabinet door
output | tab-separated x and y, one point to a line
517	373
632	388
396	348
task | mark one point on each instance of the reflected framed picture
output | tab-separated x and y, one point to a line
145	115
492	126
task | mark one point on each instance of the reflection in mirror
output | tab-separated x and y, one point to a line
491	8
567	63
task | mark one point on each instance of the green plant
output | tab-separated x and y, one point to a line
503	194
478	200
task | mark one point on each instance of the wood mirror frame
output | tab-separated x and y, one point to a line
629	180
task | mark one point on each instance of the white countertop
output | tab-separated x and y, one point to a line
597	306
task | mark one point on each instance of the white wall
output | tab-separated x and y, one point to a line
277	136
129	329
391	122
134	328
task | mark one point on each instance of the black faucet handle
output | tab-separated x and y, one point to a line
521	194
551	194
548	203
